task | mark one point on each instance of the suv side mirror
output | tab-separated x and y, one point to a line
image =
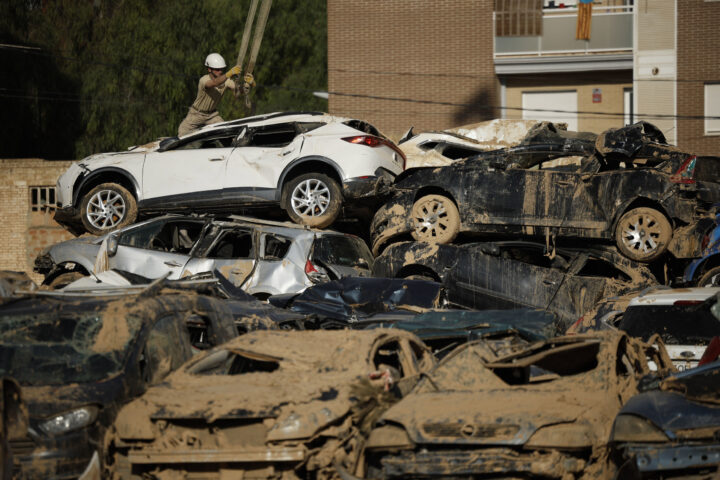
112	245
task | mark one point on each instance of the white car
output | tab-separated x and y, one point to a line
308	163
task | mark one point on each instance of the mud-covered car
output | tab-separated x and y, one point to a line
78	359
671	431
646	196
681	317
516	274
263	257
267	405
13	422
310	164
705	271
542	411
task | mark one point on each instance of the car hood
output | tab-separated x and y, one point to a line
672	412
312	401
93	162
44	401
502	417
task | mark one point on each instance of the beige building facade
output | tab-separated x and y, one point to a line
27	197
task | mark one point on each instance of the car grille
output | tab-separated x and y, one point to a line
469	430
22	446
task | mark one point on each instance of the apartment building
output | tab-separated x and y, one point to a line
436	65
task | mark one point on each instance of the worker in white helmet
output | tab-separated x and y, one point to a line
211	88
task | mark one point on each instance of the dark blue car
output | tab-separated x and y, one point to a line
705	271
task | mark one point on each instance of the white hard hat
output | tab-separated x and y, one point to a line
215	60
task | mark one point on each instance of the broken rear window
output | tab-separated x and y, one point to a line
64	348
363	127
676	324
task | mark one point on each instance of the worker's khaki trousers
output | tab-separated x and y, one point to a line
196	119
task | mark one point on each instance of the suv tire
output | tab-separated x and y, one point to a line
643	234
107	207
312	199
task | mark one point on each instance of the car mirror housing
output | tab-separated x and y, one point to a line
112	245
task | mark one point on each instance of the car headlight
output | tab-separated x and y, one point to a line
69	421
631	428
564	435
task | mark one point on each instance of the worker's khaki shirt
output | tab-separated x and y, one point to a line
208	98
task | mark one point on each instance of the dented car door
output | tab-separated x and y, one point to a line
232	252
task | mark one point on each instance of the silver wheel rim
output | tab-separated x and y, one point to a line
106	209
713	281
431	220
641	233
310	198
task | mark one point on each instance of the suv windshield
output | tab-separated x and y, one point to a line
64	347
342	250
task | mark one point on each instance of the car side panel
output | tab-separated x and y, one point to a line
178	172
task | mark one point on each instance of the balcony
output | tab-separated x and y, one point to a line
610	46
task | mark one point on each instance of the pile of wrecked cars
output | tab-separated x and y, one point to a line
294	351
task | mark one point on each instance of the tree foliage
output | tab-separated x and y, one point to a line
108	74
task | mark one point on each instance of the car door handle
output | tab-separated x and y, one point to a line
237	271
220	159
173	263
549	282
288	152
563	183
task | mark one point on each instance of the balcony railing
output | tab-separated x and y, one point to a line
612	31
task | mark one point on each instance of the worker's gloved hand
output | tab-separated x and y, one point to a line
249	82
234	71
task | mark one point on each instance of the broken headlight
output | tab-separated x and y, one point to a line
69	421
631	428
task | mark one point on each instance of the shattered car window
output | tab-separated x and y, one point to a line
363	127
595	267
224	140
269	136
309	126
342	250
276	247
68	348
233	244
477	365
676	324
175	237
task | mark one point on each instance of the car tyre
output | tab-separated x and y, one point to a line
643	234
711	278
63	280
107	207
435	219
312	199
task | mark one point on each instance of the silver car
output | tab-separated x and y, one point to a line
262	257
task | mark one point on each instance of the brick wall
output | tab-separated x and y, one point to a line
698	61
436	51
25	233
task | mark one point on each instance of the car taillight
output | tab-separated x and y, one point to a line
314	273
682	303
685	172
705	242
373	141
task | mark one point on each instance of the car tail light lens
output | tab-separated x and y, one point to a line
685	172
705	242
373	141
712	352
682	303
315	273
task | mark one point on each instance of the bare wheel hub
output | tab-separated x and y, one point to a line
106	209
310	198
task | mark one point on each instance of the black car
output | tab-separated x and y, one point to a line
515	274
13	422
644	195
672	430
78	359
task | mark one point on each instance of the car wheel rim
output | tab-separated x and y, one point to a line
106	209
431	220
641	234
310	198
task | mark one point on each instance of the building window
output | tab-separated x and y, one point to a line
42	199
518	18
712	108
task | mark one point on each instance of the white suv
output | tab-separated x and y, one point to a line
308	163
